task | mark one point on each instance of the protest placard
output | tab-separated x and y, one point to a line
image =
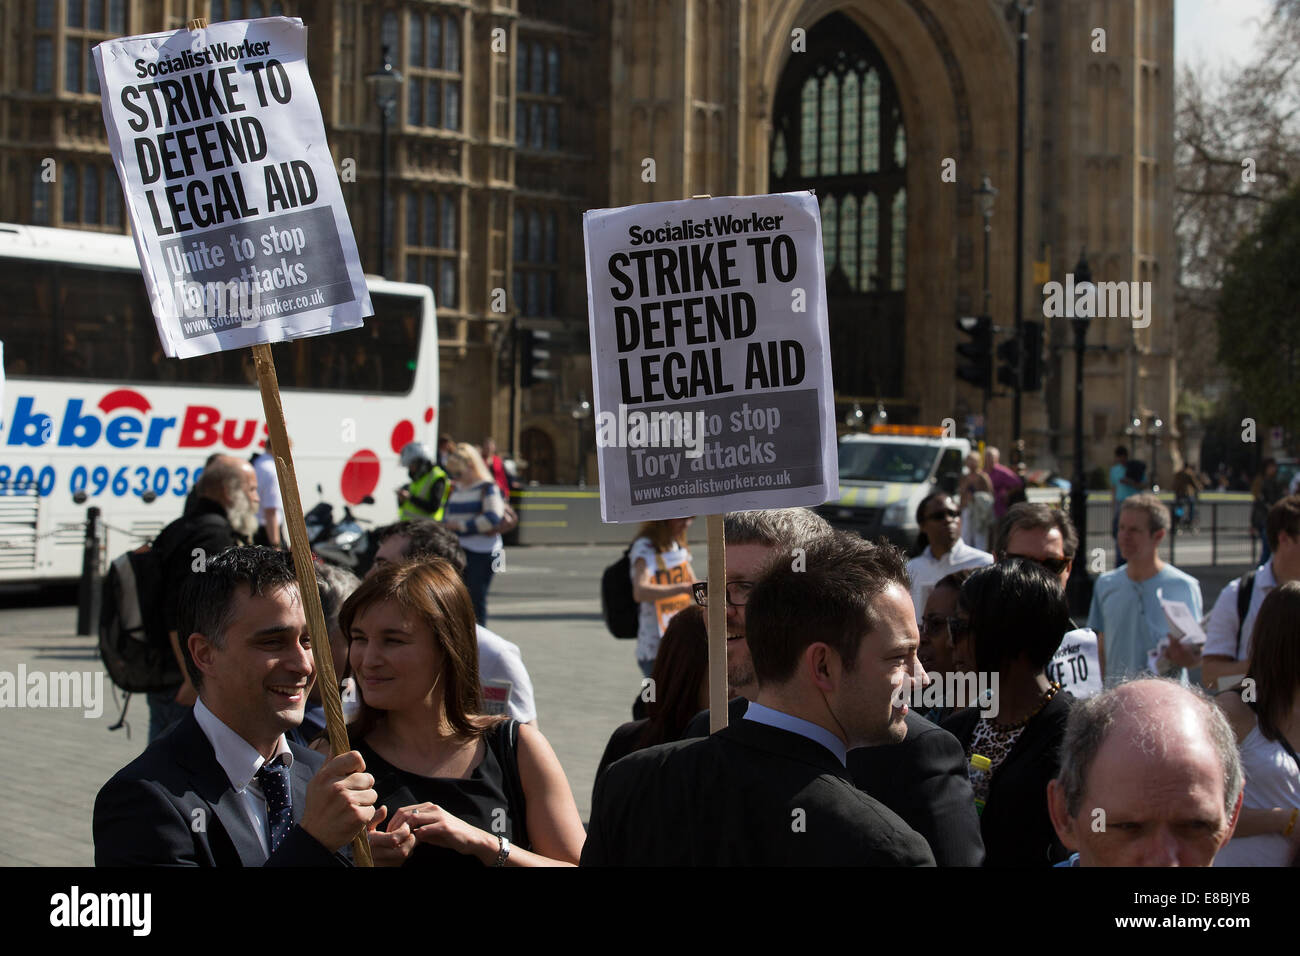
710	356
247	240
234	202
1076	665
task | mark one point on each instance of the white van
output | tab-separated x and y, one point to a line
885	474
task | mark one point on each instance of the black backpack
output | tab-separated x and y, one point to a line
622	613
133	638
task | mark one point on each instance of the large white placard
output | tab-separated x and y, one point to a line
710	356
234	201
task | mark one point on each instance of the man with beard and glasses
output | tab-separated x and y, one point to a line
224	513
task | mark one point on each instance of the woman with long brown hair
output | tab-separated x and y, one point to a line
661	582
681	689
456	786
1264	711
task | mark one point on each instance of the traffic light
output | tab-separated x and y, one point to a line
534	353
1032	371
978	369
1008	353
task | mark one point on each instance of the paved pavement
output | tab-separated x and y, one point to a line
547	601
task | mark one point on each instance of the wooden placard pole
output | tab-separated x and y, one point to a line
717	625
326	679
717	616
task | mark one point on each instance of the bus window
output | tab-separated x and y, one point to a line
68	321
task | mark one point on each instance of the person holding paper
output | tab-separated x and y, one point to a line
1264	712
661	582
1126	610
1228	633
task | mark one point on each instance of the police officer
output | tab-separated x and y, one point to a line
426	495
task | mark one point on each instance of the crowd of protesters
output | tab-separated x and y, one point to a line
881	712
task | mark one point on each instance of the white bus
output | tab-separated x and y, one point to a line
93	413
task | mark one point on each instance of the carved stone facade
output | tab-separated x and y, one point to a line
695	84
516	115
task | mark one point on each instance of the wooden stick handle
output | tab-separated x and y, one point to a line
326	679
717	625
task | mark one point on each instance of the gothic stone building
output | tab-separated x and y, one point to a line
516	115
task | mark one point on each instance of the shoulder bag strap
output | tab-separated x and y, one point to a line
1244	590
504	741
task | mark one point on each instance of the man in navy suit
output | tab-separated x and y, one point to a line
224	787
830	643
922	778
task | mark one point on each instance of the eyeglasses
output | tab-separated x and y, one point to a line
932	623
942	515
1055	565
737	593
958	628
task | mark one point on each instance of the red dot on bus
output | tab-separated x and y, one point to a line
360	476
428	415
403	434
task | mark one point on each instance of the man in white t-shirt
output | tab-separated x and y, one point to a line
268	490
1227	645
940	521
504	680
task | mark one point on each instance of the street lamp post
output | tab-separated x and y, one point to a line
1155	428
385	82
1023	8
581	411
1078	488
987	194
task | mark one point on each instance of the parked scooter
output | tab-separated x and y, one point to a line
345	544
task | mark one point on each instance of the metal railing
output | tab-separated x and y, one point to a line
1216	532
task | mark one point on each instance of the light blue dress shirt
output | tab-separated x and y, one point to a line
797	725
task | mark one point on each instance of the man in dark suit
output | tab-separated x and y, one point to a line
832	639
922	778
224	787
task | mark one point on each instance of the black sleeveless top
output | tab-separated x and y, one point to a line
490	798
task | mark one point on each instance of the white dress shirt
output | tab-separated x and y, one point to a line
1221	630
797	725
241	761
925	570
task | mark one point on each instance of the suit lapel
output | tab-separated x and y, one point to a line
194	752
298	777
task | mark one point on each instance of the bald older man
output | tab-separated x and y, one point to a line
1150	776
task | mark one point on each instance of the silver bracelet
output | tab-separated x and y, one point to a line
503	850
